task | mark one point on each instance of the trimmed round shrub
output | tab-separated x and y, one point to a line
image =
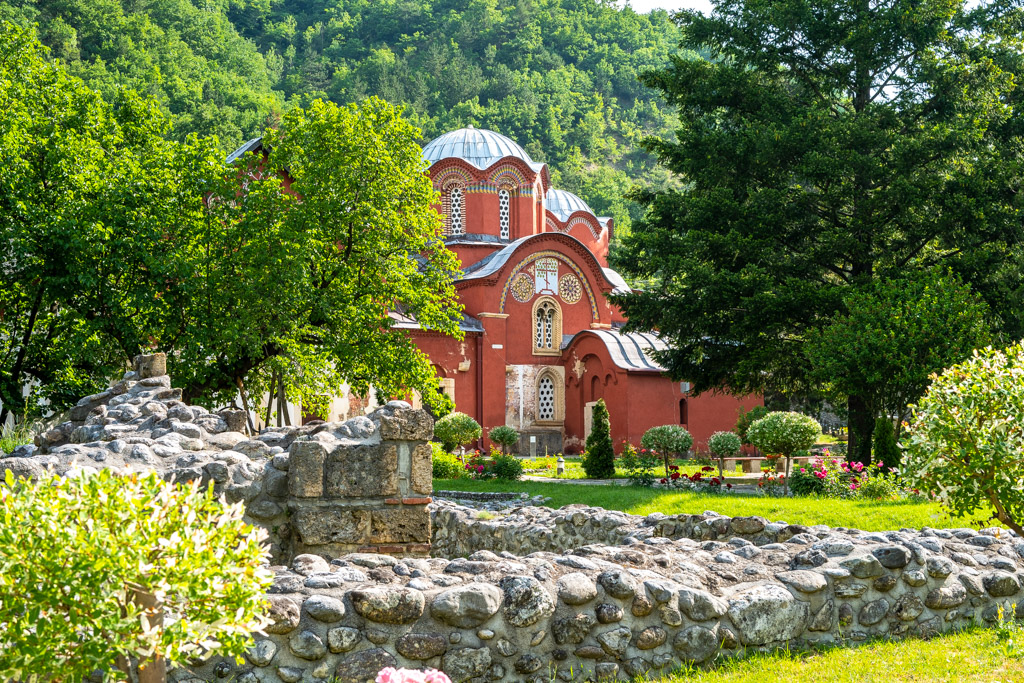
599	457
99	569
507	467
504	436
445	465
964	442
667	440
725	444
456	429
747	418
783	433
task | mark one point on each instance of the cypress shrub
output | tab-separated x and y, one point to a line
599	461
886	450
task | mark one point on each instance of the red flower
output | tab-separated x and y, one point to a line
728	485
675	475
664	481
707	468
715	481
673	467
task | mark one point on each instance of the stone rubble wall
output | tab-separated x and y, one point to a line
324	488
612	612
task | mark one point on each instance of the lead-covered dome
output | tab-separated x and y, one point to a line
476	146
563	204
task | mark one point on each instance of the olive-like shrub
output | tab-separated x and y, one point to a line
504	436
667	440
122	574
456	429
783	433
724	445
966	437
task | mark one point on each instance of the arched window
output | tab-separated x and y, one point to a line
504	219
546	399
684	416
456	212
547	327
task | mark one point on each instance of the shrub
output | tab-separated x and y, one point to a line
456	429
805	483
724	445
747	418
599	458
886	450
504	436
783	433
667	440
445	464
965	441
100	568
507	467
639	465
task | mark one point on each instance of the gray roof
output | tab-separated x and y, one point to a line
629	351
620	286
477	146
248	146
563	204
404	321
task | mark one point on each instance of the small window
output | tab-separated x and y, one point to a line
503	213
456	209
546	399
684	417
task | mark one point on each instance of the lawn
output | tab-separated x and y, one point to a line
547	467
976	656
863	514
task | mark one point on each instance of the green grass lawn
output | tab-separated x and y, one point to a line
547	467
862	514
974	656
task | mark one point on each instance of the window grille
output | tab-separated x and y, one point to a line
456	207
546	399
503	213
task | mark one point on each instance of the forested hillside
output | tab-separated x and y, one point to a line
558	76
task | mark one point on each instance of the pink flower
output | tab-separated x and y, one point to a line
803	471
881	465
434	676
392	675
479	468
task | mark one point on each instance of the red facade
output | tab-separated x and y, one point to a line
542	342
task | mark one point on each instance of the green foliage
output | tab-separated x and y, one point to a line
783	433
725	444
78	555
504	436
886	450
456	429
893	334
804	483
667	441
819	152
964	442
747	418
445	465
14	435
599	458
507	467
639	465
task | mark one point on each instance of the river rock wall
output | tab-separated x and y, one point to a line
613	612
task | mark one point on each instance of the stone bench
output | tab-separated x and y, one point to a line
753	465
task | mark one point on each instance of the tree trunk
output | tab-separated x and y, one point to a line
862	427
154	668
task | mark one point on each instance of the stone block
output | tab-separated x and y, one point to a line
152	365
324	525
422	474
365	471
400	525
306	469
402	423
234	420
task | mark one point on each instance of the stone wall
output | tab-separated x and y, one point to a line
607	612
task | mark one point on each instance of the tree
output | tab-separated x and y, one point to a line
747	418
667	441
104	572
504	436
965	438
455	430
894	334
599	459
784	433
821	150
724	445
886	451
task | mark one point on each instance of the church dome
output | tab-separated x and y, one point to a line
475	145
563	204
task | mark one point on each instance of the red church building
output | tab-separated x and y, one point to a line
542	343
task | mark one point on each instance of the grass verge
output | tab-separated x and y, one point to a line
987	655
868	515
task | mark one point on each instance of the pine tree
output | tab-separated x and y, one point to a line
599	461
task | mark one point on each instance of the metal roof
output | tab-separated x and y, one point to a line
563	204
405	321
248	146
629	351
478	146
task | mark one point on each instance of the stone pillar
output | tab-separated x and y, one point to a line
153	365
363	486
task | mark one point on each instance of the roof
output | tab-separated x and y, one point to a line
630	351
477	146
563	204
248	146
404	321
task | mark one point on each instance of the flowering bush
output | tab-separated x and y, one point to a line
783	433
639	465
703	480
839	479
392	675
772	483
